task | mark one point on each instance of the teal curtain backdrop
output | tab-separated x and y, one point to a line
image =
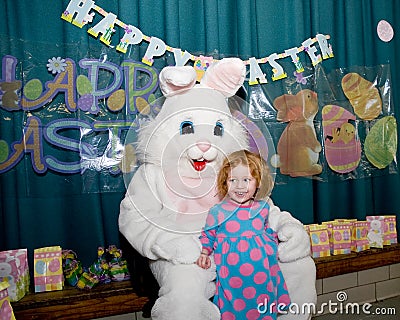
80	211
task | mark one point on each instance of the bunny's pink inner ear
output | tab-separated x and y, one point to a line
226	76
176	79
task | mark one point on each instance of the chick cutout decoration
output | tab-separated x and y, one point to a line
342	145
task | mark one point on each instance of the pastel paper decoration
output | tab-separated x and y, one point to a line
363	96
380	145
181	58
342	145
375	231
256	73
341	238
359	240
200	65
277	69
132	36
6	311
156	48
385	31
14	270
48	273
81	8
319	238
298	148
390	232
105	27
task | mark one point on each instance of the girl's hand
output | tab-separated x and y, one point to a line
204	261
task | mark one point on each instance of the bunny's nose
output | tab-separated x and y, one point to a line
203	145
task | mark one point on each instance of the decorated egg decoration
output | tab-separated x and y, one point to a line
381	142
363	96
342	146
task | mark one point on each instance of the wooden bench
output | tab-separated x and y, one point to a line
119	297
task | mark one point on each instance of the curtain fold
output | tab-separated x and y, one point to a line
50	208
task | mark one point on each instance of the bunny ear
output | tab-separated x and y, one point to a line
175	79
226	76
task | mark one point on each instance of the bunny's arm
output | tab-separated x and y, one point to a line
140	211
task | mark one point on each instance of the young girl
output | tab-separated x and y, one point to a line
250	284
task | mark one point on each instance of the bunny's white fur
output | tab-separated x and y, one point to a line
170	194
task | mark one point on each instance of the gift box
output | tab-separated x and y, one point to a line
6	311
359	240
375	231
319	238
48	273
389	230
340	238
14	270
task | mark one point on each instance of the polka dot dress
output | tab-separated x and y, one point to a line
250	283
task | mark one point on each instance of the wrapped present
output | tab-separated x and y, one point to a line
359	240
375	231
389	230
328	225
87	281
72	267
340	238
48	273
14	269
6	311
118	266
319	238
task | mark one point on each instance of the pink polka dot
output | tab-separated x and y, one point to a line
270	286
225	248
239	304
243	246
228	206
266	263
285	299
228	316
205	240
235	282
248	234
224	272
268	249
217	258
210	220
232	226
232	258
274	270
228	294
257	224
249	292
255	254
246	269
252	314
260	277
243	215
263	298
221	217
220	303
267	318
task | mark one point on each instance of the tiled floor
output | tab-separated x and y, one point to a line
387	306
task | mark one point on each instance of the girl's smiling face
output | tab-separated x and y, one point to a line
241	184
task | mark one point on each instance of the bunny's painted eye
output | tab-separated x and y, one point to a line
218	129
187	127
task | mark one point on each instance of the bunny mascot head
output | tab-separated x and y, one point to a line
169	196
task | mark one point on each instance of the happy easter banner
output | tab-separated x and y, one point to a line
80	13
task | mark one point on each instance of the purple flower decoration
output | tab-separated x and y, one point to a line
299	77
128	30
